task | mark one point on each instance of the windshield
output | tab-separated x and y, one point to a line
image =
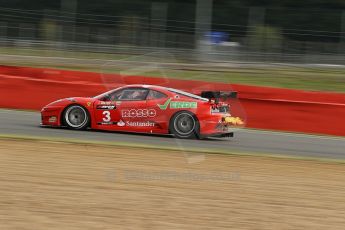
104	94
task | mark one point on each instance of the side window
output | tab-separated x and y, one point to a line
114	96
153	94
129	94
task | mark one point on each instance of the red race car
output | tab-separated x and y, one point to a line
146	109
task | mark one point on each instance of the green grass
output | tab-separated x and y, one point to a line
311	78
287	78
59	53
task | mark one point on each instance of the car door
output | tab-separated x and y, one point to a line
106	112
131	107
158	102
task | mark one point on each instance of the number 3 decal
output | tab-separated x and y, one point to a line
106	117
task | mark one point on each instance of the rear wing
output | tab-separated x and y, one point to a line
217	95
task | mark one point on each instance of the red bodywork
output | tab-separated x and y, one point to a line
144	116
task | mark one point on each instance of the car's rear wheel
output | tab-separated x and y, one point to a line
76	117
184	124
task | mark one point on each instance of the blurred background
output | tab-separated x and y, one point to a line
285	31
82	180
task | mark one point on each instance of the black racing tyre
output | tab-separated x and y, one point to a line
184	124
76	117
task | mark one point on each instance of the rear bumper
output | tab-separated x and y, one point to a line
216	128
221	125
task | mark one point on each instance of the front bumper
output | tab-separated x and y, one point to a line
50	116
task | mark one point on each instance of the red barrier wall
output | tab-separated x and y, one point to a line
263	107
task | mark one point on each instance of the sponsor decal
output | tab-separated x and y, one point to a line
138	113
183	105
52	119
121	123
140	123
165	105
106	107
106	116
107	103
178	105
106	123
220	109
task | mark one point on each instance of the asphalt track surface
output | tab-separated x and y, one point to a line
23	123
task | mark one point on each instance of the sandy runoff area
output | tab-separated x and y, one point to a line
51	185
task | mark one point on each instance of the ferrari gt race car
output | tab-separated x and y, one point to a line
146	109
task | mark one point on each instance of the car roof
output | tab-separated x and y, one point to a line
145	86
169	91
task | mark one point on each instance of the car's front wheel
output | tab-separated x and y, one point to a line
76	117
184	124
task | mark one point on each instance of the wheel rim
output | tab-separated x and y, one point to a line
76	116
184	124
